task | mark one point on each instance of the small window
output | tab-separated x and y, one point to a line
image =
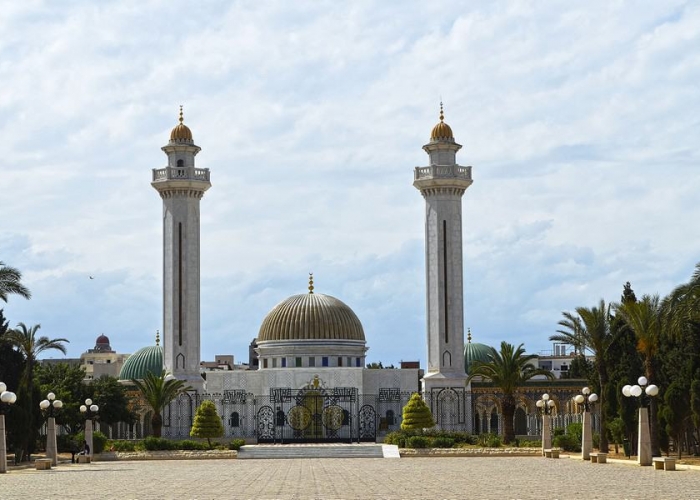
274	362
297	362
346	417
180	163
358	362
279	421
324	361
312	361
340	361
284	362
265	363
235	420
349	361
390	418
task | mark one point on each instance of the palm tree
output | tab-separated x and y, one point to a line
11	283
158	391
591	329
24	339
508	370
644	318
682	307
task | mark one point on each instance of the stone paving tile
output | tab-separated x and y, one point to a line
359	478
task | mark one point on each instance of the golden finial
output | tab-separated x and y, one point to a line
182	119
311	282
157	338
442	114
469	335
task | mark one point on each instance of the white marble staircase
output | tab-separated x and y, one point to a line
335	450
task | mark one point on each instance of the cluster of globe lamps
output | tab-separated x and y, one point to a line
586	399
50	405
640	390
90	411
545	405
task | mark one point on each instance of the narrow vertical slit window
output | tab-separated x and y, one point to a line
444	278
179	282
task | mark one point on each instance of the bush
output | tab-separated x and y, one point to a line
152	443
442	442
567	442
188	444
489	440
67	443
121	445
395	437
457	436
236	444
529	444
417	442
99	441
575	430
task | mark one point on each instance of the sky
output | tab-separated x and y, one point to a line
580	120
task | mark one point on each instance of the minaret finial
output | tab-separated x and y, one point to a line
311	282
442	114
469	335
182	119
157	338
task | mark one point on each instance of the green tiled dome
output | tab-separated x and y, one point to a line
147	359
474	352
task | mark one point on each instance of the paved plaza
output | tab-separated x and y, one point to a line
406	478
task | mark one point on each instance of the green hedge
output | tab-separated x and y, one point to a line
236	444
122	445
433	439
417	442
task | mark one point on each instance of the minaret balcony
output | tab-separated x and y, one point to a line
181	174
443	172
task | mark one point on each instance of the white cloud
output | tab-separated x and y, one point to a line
580	124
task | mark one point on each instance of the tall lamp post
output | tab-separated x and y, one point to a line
6	399
545	406
587	399
49	405
90	410
639	390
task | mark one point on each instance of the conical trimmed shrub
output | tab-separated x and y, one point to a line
207	423
416	415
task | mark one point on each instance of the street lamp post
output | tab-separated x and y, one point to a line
90	410
587	399
6	399
49	405
643	435
545	406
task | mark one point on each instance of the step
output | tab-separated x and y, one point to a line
313	451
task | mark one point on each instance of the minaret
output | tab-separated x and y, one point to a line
181	185
442	184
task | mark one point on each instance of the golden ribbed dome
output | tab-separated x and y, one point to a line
311	316
181	132
442	131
